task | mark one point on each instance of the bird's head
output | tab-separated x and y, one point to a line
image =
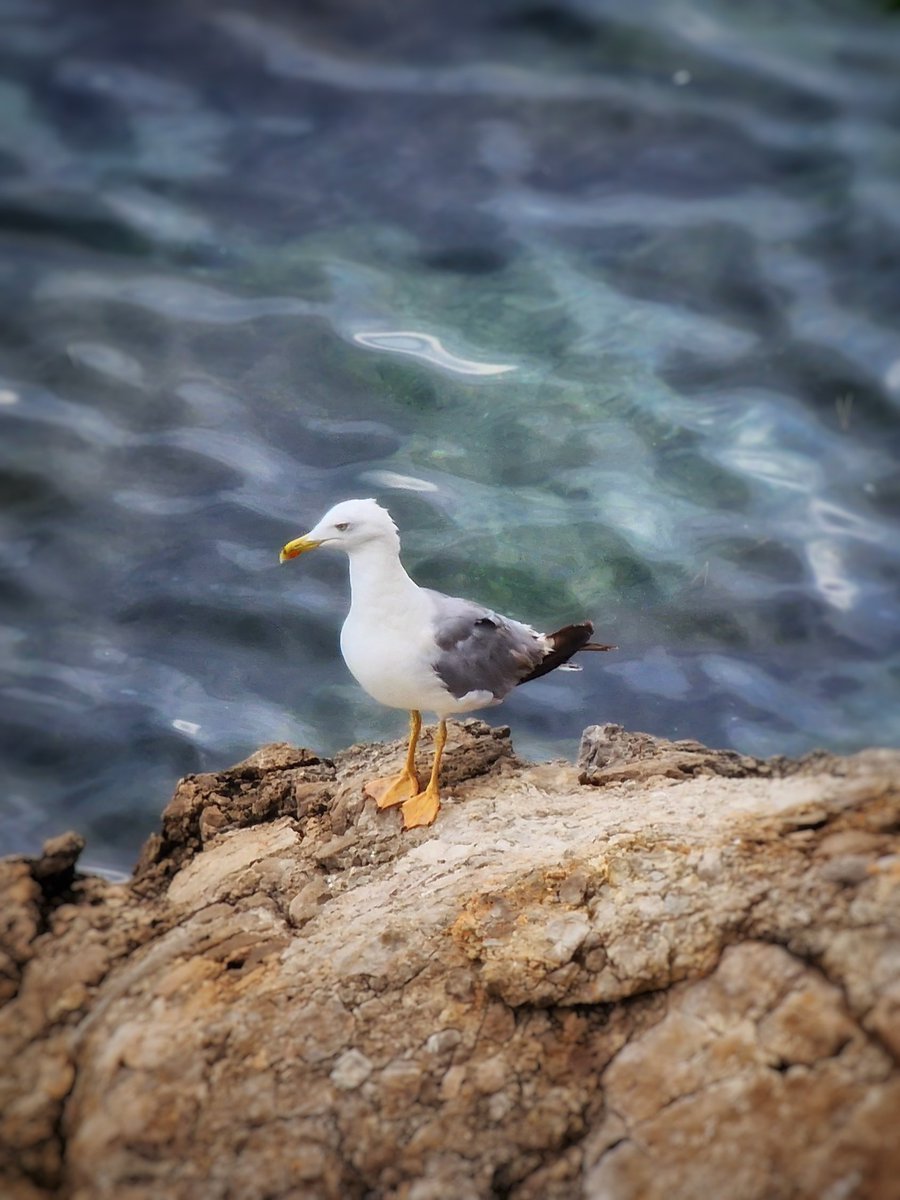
348	526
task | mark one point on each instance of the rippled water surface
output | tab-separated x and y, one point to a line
603	301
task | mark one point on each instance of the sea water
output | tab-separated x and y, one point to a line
603	302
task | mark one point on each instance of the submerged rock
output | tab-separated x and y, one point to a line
679	976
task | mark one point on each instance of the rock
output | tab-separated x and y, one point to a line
308	900
679	977
350	1070
331	854
55	869
609	753
275	781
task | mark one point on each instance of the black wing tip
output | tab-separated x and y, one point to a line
566	642
589	626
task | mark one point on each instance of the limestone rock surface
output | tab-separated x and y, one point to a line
668	972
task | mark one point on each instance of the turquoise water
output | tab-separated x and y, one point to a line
603	303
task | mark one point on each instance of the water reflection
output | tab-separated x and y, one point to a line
429	349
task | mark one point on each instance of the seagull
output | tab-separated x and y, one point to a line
414	648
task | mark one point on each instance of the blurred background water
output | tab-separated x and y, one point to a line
601	300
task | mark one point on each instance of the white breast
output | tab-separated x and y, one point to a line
388	638
387	645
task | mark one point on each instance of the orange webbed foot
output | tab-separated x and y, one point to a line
396	789
421	809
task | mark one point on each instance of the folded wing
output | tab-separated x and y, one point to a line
480	650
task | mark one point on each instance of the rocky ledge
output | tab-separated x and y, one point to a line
668	972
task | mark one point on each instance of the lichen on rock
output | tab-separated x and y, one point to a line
678	976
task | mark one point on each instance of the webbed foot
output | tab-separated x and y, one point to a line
394	790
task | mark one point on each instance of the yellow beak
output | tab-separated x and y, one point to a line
298	546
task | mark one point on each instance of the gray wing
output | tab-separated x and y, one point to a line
480	651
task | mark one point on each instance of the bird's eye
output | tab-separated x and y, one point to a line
343	526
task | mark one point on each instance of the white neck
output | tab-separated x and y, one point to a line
378	581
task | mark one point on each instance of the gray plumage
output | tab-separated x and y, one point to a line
481	651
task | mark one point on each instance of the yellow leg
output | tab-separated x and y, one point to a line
398	788
423	808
